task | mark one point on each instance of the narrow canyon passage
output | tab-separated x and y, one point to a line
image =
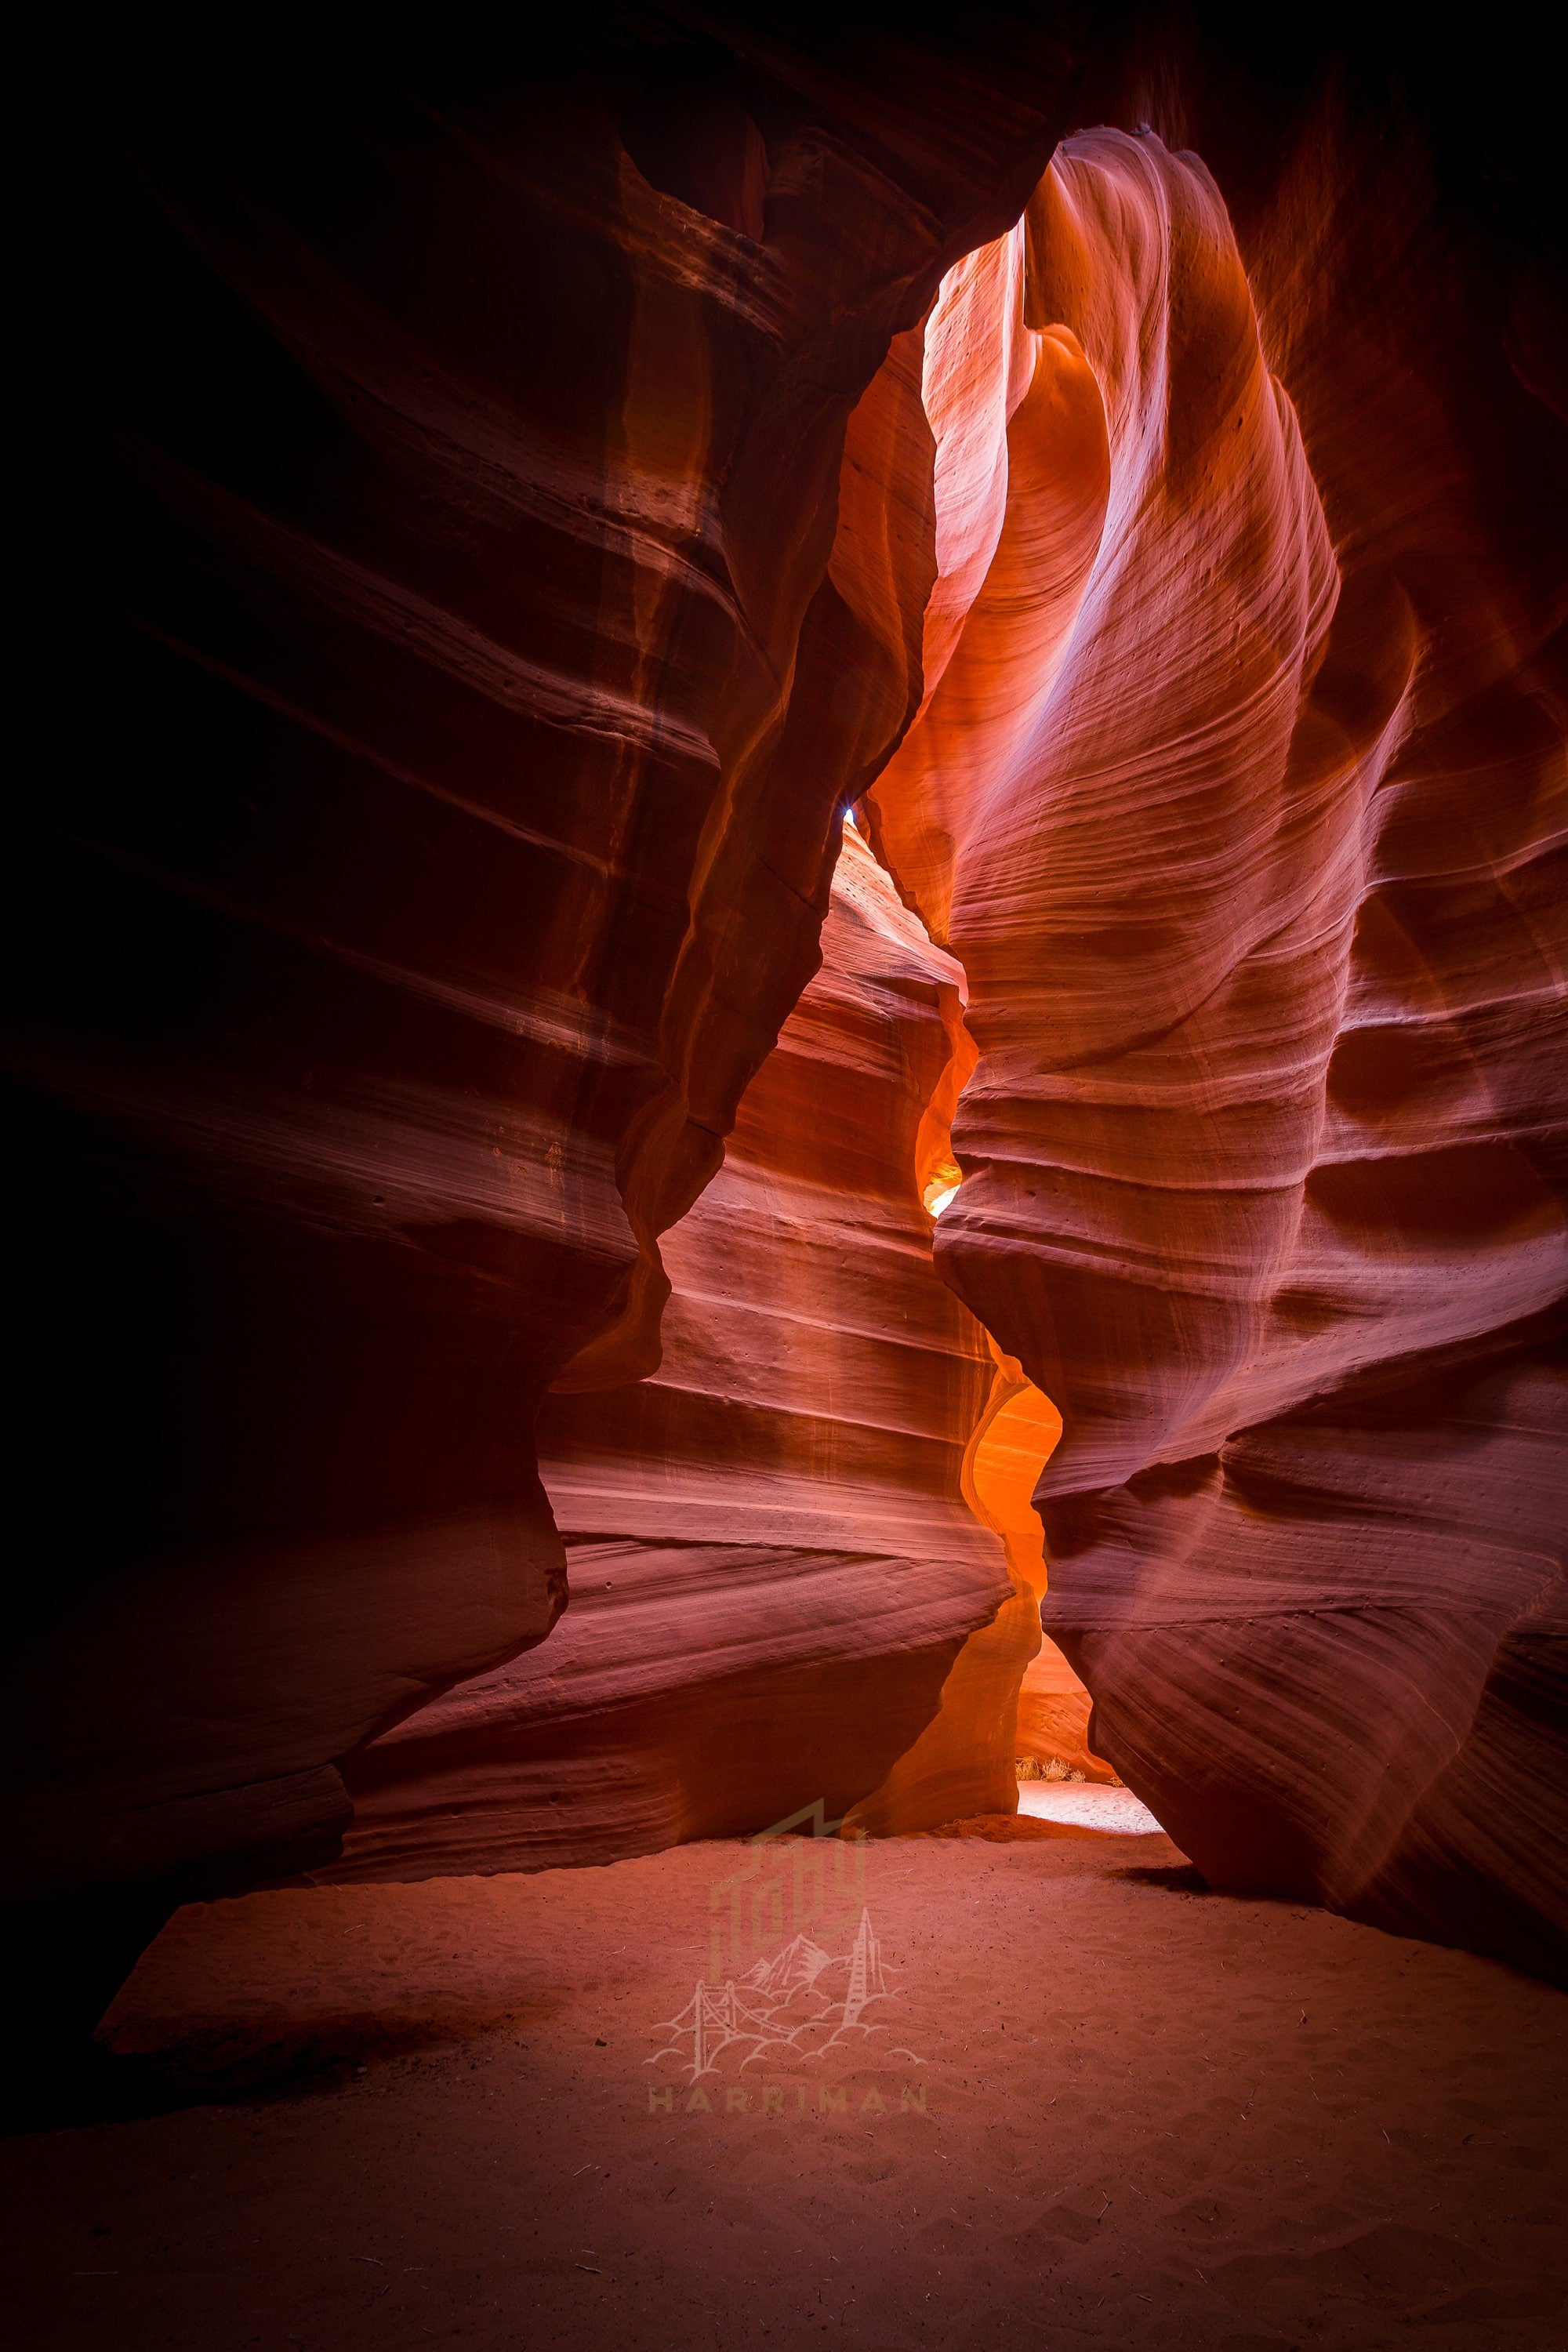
804	1544
787	1085
772	1562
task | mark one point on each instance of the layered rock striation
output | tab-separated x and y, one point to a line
772	1568
467	661
502	513
1239	789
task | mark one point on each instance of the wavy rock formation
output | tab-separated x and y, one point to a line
499	514
1006	1458
1010	1692
1239	789
465	663
771	1564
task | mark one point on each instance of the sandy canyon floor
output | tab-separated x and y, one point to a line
1093	2104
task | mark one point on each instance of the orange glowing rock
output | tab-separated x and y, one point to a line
962	1763
1232	791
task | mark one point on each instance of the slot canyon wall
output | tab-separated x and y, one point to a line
461	662
502	509
1239	791
804	1564
772	1567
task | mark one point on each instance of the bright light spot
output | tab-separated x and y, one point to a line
940	1187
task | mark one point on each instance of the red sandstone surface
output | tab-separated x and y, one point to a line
1153	2118
772	1563
480	657
1235	792
501	1392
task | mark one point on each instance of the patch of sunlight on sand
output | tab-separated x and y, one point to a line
1117	1812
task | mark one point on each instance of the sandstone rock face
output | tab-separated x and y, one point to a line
501	516
447	536
1238	790
1006	1458
771	1564
964	1765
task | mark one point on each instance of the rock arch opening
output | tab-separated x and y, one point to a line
1020	489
